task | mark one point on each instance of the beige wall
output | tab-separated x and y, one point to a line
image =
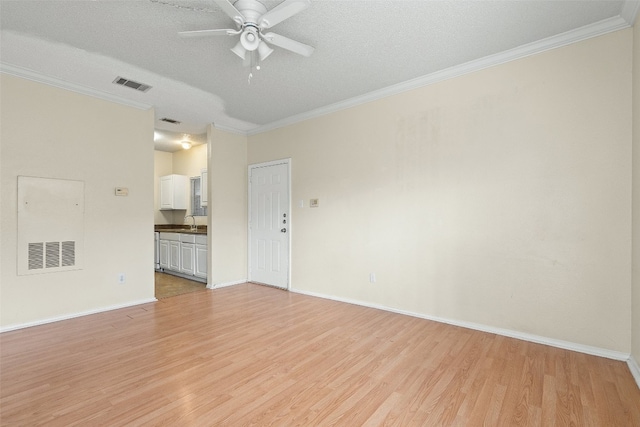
500	198
53	133
227	207
636	194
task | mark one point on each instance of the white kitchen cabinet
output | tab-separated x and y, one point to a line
184	254
204	184
187	254
174	256
169	251
164	254
173	192
187	258
201	257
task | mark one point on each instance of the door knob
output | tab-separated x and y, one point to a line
284	230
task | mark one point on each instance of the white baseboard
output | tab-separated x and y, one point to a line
225	284
74	315
635	369
567	345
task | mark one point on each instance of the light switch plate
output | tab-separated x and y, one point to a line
122	191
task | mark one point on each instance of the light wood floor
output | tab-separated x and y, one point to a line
253	355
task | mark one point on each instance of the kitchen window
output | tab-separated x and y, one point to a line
196	208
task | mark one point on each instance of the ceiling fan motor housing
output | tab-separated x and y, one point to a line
252	10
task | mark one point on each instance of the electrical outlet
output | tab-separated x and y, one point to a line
372	277
314	203
121	278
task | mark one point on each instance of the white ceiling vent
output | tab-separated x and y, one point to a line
130	83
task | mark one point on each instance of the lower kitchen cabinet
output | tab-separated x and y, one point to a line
187	254
174	256
184	254
163	254
201	261
187	258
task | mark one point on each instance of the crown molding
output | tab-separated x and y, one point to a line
73	87
230	129
630	10
588	31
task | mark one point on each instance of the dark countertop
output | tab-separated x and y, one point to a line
180	228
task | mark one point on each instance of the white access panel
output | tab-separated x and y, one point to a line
50	225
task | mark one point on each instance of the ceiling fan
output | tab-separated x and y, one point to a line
252	18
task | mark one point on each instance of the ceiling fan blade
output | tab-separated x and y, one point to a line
287	43
228	8
284	10
201	33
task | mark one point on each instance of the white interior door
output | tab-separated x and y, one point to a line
269	222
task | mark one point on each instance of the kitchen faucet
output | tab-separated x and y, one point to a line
194	227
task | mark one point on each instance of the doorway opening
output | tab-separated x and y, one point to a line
181	216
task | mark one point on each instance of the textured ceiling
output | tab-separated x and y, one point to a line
361	46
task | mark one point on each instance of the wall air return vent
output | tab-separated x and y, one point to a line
50	225
132	84
51	255
68	254
36	256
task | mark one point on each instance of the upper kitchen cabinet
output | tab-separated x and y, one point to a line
173	192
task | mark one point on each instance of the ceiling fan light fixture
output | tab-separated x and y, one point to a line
264	50
251	18
250	39
239	50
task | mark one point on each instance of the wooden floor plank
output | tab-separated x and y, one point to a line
253	355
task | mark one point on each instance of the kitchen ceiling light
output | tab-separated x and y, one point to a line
186	145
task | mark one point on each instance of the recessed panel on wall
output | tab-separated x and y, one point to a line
50	225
